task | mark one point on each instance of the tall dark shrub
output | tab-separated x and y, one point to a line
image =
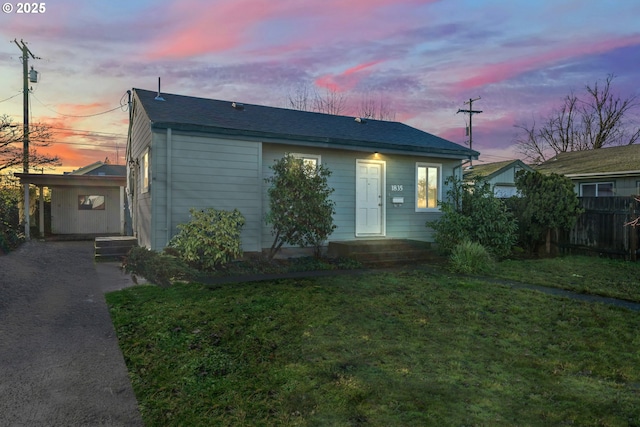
547	202
300	210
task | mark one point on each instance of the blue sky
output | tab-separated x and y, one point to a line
423	58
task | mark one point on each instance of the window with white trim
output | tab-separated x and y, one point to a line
309	160
428	186
144	172
597	189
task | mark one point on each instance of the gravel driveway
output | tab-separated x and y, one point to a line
60	364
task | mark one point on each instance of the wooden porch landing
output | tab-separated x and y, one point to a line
384	251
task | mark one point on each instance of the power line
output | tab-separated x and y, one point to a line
11	97
124	135
119	107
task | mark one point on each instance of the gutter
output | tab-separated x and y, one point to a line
353	145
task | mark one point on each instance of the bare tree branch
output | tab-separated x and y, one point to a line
11	148
597	120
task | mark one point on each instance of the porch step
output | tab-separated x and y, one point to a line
384	251
115	247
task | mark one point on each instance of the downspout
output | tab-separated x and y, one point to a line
460	167
169	180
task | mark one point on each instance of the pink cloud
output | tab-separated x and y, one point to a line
346	80
210	27
498	72
202	27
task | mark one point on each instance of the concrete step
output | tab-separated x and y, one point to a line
384	251
114	247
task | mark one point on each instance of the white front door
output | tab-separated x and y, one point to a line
370	198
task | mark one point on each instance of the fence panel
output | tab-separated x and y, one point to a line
601	228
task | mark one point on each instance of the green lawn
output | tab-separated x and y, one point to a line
582	274
381	349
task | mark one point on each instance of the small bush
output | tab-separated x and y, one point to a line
158	268
210	239
469	258
472	212
10	234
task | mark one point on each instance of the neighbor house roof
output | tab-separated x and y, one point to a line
490	170
100	169
281	124
611	161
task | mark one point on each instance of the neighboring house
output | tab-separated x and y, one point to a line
605	172
185	152
500	175
87	201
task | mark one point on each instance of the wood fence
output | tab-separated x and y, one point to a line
601	228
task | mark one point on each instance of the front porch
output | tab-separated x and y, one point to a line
384	251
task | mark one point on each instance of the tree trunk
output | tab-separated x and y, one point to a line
548	246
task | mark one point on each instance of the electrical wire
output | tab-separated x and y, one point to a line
119	107
89	131
11	97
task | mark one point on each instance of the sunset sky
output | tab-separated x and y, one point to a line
423	58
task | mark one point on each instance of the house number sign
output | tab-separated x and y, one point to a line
396	187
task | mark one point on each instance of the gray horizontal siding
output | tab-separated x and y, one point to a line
141	139
401	222
209	173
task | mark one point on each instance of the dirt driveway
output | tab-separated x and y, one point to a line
60	364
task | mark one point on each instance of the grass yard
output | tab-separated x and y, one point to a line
582	274
407	348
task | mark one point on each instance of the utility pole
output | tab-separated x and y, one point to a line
25	132
471	112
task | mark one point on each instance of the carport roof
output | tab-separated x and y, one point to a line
54	180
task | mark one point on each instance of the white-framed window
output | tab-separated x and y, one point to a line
597	189
312	160
309	159
144	171
428	186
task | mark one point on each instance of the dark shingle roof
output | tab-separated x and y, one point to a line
489	170
109	170
603	160
209	115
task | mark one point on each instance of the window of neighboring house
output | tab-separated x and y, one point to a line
597	189
144	176
90	202
428	186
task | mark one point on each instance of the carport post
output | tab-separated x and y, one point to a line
41	216
26	212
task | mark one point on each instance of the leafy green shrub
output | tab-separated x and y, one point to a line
472	212
469	258
301	212
210	239
10	233
548	203
158	268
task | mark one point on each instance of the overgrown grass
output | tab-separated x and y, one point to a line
582	274
411	348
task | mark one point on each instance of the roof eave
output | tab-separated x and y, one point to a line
324	141
617	174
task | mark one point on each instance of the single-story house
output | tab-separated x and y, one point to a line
87	201
604	172
185	152
500	175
